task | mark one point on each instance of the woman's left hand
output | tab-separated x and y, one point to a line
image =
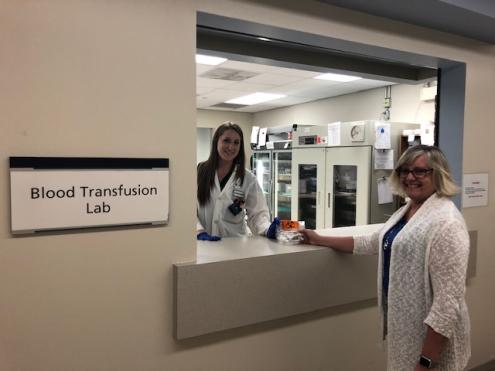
272	230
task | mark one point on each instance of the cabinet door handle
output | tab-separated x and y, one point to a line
318	200
329	199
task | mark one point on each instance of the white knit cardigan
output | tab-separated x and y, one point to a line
427	283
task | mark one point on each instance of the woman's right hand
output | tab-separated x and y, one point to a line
341	244
310	236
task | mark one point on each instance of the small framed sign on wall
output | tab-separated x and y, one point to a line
59	193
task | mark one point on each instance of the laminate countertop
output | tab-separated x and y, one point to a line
237	282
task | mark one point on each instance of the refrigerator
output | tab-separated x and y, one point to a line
336	176
273	170
272	165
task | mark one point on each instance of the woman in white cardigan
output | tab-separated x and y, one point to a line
423	253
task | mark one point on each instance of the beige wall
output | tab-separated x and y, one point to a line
95	78
116	78
213	118
365	105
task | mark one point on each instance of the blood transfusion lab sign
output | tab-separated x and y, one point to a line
47	194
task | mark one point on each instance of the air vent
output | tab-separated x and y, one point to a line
229	105
228	74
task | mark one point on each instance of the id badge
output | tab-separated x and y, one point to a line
238	194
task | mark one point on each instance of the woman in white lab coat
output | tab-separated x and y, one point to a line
227	192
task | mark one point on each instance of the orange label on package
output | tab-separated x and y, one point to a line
289	225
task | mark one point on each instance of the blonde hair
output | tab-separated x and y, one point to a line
441	176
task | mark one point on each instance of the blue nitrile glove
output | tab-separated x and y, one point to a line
204	236
272	229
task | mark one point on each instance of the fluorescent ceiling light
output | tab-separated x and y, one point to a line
209	59
255	98
336	77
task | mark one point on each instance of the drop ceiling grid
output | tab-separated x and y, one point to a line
299	86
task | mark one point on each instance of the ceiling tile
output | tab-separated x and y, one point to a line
200	90
299	86
274	79
224	94
202	68
246	66
249	87
294	72
212	83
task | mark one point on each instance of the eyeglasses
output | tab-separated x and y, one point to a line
417	172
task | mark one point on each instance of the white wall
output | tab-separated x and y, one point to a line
116	78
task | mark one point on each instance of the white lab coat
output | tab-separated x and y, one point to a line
216	219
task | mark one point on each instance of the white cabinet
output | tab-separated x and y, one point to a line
347	186
308	188
331	186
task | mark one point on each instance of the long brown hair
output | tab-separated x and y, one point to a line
208	168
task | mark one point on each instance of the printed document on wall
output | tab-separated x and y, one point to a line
384	159
428	134
334	134
382	133
262	137
254	134
384	192
475	190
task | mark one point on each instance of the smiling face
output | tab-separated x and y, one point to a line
229	144
418	187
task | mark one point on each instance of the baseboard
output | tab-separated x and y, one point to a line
488	366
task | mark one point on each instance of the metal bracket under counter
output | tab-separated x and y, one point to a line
242	281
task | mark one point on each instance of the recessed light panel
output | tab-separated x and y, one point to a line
336	77
209	59
255	98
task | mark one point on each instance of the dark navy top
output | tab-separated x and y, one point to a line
388	239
